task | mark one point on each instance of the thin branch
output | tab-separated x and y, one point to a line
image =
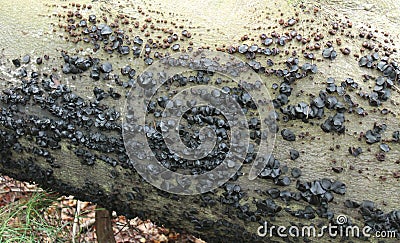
75	227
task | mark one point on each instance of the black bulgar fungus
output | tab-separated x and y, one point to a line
331	102
95	73
268	207
307	213
175	47
384	111
272	169
296	172
288	135
106	67
106	30
319	192
374	99
384	147
372	136
316	188
286	196
351	204
86	156
243	48
284	181
274	193
355	151
268	41
124	50
148	60
334	124
100	94
331	88
338	187
309	56
396	136
114	94
26	59
291	22
337	169
329	53
21	73
16	62
253	48
294	154
125	70
92	18
82	23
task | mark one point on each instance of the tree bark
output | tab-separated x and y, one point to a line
207	216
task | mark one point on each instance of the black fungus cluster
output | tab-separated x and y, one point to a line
193	120
329	53
111	38
334	123
320	191
293	72
77	64
376	218
381	91
390	72
374	135
368	61
272	169
49	113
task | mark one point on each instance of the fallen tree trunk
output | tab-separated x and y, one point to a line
56	147
31	151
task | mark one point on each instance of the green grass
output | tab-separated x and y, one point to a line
23	221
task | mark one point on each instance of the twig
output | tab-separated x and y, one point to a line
21	190
87	224
75	227
123	226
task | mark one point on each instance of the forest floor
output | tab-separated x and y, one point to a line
30	214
